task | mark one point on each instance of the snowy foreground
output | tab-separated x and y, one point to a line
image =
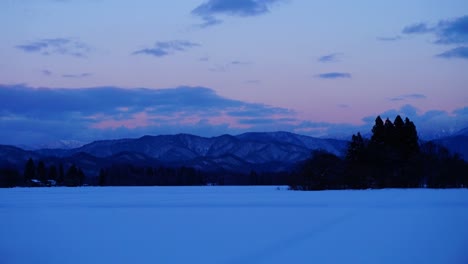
232	225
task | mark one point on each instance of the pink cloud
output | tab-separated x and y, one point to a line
182	118
224	118
141	119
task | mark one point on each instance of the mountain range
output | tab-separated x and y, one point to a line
262	151
272	151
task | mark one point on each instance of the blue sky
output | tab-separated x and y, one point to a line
96	69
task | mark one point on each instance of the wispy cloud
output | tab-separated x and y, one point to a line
451	31
164	48
56	46
333	57
227	66
209	10
334	75
446	32
454	31
209	21
419	28
343	105
80	75
408	97
236	62
46	72
415	96
389	39
458	52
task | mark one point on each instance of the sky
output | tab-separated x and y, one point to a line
87	70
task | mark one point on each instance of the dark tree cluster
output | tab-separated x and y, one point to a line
10	177
322	171
38	175
392	158
129	175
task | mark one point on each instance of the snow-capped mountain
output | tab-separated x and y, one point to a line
60	144
273	151
251	147
270	151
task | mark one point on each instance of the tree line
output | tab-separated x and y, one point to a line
130	175
392	158
37	175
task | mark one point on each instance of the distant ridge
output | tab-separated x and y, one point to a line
265	151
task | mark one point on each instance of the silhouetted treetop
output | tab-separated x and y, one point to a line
378	132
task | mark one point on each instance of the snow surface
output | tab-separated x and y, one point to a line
232	225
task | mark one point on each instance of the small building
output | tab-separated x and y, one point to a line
51	183
35	183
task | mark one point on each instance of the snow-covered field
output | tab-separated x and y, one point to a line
232	225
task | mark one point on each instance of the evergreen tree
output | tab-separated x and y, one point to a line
29	170
10	177
410	137
356	148
102	177
61	175
52	174
41	172
81	177
388	160
378	132
356	162
322	171
399	135
72	178
149	172
389	134
253	178
392	159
